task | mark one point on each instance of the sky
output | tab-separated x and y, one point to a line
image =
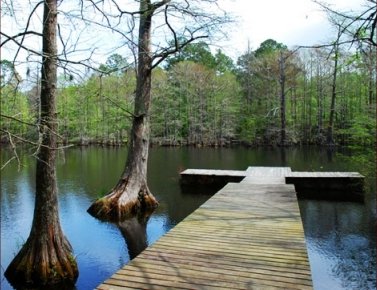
292	22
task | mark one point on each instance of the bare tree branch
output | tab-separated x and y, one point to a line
14	151
130	114
6	163
18	35
23	140
365	21
18	120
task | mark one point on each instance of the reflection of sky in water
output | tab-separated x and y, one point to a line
350	266
99	247
17	206
157	226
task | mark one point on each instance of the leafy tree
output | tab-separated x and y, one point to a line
269	46
195	104
264	76
223	62
97	110
198	52
115	63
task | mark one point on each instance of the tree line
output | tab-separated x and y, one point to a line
271	96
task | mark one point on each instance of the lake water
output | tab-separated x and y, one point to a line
341	236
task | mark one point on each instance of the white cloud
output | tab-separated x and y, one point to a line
292	22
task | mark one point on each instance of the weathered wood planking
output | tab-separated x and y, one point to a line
247	236
262	171
328	185
266	175
324	185
216	178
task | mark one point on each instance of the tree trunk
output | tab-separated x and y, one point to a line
330	128
46	258
282	100
131	194
320	93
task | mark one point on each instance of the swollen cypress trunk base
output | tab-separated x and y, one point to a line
45	261
126	200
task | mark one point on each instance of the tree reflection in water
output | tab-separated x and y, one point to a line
134	232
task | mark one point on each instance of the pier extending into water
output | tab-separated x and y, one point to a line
249	235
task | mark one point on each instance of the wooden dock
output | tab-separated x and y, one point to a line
249	235
321	185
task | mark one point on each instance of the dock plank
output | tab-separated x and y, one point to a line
318	185
246	236
262	171
216	172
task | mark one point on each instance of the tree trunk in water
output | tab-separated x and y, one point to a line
46	258
131	194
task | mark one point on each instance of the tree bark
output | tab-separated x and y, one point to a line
46	258
282	99
131	194
330	127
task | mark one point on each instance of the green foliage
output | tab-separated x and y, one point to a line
223	62
114	64
362	130
196	52
194	104
16	114
201	98
360	159
98	110
269	46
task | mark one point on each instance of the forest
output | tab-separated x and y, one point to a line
269	96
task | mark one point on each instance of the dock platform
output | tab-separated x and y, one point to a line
249	235
318	185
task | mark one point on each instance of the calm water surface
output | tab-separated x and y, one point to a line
341	236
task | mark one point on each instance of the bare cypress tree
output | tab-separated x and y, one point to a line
131	194
46	258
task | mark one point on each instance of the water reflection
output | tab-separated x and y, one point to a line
134	232
339	244
341	236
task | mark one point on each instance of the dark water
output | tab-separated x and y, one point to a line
341	236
